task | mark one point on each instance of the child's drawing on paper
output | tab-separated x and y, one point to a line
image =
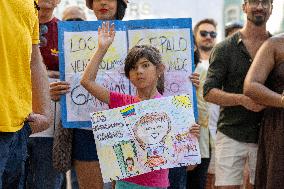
130	165
156	134
126	154
151	131
185	147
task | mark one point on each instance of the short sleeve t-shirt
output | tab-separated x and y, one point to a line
158	178
18	32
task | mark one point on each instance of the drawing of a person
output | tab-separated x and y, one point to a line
130	164
151	132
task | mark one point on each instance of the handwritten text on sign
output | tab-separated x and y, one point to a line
78	42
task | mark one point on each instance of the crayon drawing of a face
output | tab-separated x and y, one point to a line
152	129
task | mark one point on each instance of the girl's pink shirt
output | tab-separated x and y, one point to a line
158	178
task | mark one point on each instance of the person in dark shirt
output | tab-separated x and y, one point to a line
239	120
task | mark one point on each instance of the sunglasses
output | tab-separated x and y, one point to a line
74	19
204	33
43	29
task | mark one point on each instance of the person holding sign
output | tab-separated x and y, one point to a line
144	69
84	154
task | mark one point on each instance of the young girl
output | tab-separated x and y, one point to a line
143	67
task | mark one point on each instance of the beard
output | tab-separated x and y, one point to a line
257	20
205	48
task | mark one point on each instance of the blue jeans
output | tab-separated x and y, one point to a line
196	179
177	177
41	173
13	154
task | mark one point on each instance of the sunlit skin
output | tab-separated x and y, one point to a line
105	9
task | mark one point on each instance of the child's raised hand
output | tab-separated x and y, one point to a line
195	130
106	35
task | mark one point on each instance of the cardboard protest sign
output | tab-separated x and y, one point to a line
78	41
145	136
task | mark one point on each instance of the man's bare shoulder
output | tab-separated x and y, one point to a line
277	44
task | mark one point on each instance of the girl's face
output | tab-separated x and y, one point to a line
105	9
144	74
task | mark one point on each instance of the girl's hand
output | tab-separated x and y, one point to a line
58	88
106	35
195	130
195	79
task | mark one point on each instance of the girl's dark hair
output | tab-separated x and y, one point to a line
120	11
150	53
121	7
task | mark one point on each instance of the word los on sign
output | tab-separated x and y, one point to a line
81	44
98	118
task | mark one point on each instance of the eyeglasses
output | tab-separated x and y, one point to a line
43	29
74	19
254	3
212	34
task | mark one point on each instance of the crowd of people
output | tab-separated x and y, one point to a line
239	87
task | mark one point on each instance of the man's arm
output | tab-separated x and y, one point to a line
40	118
223	98
216	77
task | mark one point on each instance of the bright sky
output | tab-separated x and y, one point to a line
276	17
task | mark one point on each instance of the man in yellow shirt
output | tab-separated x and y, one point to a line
24	96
